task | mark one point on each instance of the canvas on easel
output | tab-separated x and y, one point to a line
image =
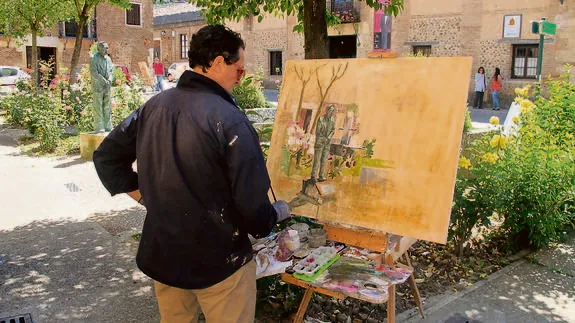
371	143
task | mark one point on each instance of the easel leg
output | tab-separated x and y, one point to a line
303	306
414	289
391	304
391	292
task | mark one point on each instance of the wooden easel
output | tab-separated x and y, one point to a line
361	238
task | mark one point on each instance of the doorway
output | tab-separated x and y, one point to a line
44	54
343	46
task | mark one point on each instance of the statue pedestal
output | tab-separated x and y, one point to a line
90	142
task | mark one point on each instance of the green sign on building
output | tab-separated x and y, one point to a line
548	28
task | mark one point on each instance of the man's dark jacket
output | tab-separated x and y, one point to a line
203	179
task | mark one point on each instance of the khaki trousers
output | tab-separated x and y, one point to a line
232	300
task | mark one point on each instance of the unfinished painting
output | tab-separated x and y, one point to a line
372	143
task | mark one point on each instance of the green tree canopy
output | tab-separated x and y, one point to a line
31	17
312	16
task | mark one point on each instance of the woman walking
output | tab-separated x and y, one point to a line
496	82
480	87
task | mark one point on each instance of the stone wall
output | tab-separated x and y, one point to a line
258	47
170	41
13	52
443	33
129	45
475	27
11	55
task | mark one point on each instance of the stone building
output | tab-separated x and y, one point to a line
495	33
129	34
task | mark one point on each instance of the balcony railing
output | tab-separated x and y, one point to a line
344	10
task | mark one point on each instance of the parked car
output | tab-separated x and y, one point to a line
178	68
9	76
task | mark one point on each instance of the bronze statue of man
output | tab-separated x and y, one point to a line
101	74
324	132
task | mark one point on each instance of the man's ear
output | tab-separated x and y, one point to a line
218	61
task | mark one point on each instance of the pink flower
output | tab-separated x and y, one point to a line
67	108
277	81
83	112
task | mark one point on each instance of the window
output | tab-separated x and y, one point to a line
183	46
525	61
133	15
341	5
424	50
70	29
275	63
6	71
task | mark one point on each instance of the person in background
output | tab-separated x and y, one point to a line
159	73
496	82
203	180
480	87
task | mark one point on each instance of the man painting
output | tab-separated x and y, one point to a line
202	175
101	74
323	134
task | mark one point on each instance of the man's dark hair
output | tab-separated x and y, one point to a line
213	41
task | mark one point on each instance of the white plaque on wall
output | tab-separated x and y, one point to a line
512	26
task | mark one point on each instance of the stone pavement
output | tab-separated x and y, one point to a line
538	289
483	115
66	251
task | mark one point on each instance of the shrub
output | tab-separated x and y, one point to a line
249	92
56	106
474	191
538	172
528	179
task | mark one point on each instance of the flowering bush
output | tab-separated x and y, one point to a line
525	181
298	150
53	110
298	140
347	16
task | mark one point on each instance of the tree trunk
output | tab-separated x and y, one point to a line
77	47
34	62
315	29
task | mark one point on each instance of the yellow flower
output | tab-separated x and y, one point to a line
494	120
490	158
498	141
464	162
527	104
523	92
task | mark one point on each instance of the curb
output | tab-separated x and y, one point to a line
438	301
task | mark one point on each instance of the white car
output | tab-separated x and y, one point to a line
9	76
178	68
